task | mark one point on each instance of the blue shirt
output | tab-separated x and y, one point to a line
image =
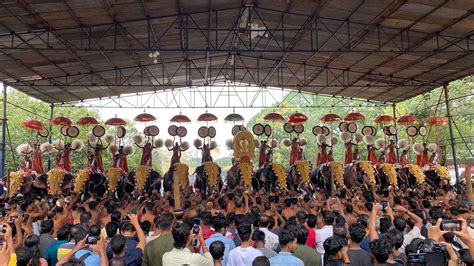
285	259
92	260
365	244
133	255
228	244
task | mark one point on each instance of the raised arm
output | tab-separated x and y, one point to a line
373	215
414	217
138	228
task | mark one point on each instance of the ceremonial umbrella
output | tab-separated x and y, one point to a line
274	117
207	117
330	118
354	117
61	121
436	120
145	117
87	121
115	121
408	120
34	124
234	117
180	119
297	118
384	119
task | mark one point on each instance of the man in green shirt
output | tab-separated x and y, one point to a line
154	251
308	255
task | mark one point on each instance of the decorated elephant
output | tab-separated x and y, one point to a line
241	173
298	175
143	179
359	173
208	178
89	182
328	176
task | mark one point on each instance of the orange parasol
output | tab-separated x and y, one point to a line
87	121
145	117
206	117
354	117
115	121
408	120
437	120
33	124
384	119
330	118
180	119
61	121
297	118
274	117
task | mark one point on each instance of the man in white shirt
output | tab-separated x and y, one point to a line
271	239
180	255
325	232
400	224
243	255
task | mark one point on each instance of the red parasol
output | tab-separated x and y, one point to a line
115	121
329	118
61	121
33	124
408	120
384	119
297	118
206	117
354	117
274	117
437	120
180	119
145	117
87	121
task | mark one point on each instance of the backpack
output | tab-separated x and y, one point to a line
79	261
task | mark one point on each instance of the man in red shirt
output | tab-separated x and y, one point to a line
206	224
309	221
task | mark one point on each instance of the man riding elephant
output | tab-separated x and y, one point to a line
208	174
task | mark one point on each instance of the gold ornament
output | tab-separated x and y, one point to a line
279	171
113	174
55	180
81	177
441	171
337	173
16	179
141	175
246	169
180	174
389	170
303	167
244	146
368	169
212	171
416	171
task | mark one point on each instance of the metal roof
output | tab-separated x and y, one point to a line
381	50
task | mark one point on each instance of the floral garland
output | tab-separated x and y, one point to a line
113	175
141	175
303	167
16	179
441	171
279	171
81	177
245	168
55	180
389	170
181	171
368	169
416	171
337	173
212	171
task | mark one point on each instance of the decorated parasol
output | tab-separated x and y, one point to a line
207	117
297	118
60	121
274	117
87	121
384	119
180	119
145	117
234	118
408	120
354	117
436	120
330	118
32	124
115	121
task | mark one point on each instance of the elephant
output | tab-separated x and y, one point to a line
95	184
203	178
38	185
268	176
322	178
298	175
153	182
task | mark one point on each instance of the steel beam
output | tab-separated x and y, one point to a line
4	131
451	131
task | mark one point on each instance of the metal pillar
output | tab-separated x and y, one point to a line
394	110
451	136
50	136
4	130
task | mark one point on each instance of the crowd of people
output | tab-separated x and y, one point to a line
357	227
